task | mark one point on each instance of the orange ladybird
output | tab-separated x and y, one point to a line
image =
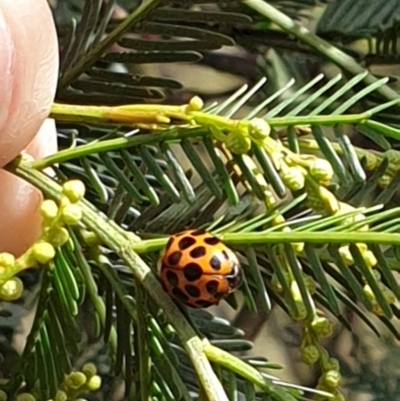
198	270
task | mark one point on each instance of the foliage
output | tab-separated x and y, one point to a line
271	169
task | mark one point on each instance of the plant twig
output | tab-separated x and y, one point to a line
323	47
271	237
120	243
152	112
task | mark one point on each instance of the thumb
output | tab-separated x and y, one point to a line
28	78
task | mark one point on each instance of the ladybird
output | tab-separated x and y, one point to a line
198	269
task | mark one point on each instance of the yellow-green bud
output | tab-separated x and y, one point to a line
369	258
7	260
355	218
61	396
74	190
367	290
346	255
293	178
94	383
295	290
12	289
309	354
298	247
43	252
321	170
377	310
89	369
384	180
90	238
25	397
3	396
60	236
310	283
71	214
331	379
238	142
275	283
390	298
330	202
301	312
322	327
75	380
332	364
259	129
195	104
49	209
371	161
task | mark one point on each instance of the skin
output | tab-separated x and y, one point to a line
28	79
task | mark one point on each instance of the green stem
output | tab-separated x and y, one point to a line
314	237
118	242
263	238
98	51
323	47
175	134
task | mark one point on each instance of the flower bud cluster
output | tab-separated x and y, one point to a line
393	156
74	385
54	234
313	352
77	383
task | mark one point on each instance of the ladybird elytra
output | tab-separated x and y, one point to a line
198	269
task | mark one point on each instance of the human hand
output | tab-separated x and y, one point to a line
28	79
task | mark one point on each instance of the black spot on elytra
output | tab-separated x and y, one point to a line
203	304
192	271
198	252
192	290
226	256
212	287
169	243
180	295
215	263
198	232
174	258
186	242
212	241
172	278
